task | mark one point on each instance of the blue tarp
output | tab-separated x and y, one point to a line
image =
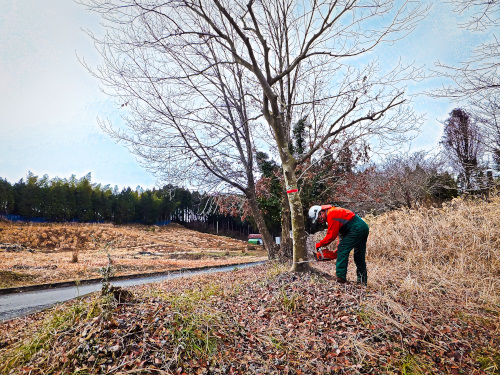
42	220
20	218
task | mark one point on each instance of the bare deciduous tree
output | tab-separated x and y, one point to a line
477	78
201	73
462	141
487	114
188	116
485	13
411	178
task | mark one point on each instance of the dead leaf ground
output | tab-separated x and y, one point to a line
262	320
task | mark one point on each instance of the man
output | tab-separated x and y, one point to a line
353	233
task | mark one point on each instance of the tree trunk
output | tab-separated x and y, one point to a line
286	246
267	238
297	217
288	163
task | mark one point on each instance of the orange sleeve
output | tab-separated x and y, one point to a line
331	234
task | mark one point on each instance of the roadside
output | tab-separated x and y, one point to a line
31	299
149	275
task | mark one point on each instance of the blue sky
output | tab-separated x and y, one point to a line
49	103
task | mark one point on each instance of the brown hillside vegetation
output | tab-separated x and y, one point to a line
431	307
43	253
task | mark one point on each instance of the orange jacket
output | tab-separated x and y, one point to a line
336	217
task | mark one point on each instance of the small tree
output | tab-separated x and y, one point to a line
462	141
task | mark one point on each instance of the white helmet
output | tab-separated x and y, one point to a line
313	213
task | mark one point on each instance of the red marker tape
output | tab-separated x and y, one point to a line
291	191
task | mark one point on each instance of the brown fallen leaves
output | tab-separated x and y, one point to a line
262	320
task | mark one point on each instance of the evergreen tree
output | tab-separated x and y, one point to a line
57	201
149	208
6	197
84	209
125	205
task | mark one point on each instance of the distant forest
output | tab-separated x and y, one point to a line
78	200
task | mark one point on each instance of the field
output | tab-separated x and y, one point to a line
46	253
431	306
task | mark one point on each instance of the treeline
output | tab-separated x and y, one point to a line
78	200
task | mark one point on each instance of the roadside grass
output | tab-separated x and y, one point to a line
192	327
289	301
276	269
194	333
9	278
412	365
489	360
60	320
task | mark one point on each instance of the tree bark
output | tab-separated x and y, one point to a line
286	246
267	238
296	213
289	164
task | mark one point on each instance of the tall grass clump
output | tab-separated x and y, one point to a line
443	254
61	320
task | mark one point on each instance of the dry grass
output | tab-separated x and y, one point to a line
45	253
434	271
447	255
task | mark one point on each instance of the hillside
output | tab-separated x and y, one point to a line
431	307
45	253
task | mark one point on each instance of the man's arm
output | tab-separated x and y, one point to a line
331	234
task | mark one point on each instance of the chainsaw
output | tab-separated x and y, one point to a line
324	254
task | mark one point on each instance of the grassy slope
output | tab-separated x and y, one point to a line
432	306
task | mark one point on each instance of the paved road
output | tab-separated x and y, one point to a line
20	304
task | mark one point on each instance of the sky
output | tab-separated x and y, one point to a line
49	103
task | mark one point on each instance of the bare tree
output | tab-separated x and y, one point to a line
487	114
477	78
411	178
484	13
476	81
462	141
181	64
188	116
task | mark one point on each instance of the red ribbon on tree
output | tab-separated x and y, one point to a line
291	191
